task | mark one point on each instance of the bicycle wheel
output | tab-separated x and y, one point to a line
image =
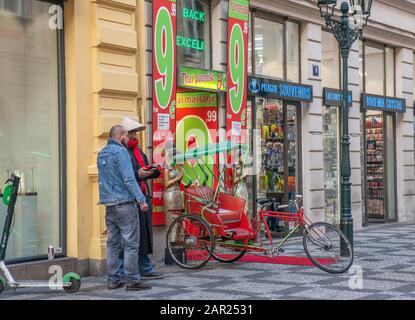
190	241
327	247
225	252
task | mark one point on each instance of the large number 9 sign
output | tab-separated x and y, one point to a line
237	68
164	53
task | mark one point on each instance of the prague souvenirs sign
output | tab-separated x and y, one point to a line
280	89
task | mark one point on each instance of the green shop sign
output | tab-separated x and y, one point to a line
190	43
239	9
194	15
202	79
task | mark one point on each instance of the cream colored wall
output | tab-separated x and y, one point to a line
102	87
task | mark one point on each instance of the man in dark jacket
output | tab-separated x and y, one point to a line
143	173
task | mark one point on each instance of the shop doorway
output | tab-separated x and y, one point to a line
331	147
380	172
275	152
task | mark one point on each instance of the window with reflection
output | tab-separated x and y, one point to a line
193	33
374	70
390	71
269	48
331	61
293	51
29	126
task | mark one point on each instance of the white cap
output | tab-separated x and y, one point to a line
131	125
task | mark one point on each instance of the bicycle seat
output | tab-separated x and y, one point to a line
263	201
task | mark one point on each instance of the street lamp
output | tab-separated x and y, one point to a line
346	31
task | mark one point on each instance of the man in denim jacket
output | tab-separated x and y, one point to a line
120	193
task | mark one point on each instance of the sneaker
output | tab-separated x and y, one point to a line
137	287
152	276
116	285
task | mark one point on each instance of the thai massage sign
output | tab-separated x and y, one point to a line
164	91
202	79
237	67
375	102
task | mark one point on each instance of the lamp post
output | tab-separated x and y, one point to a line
346	31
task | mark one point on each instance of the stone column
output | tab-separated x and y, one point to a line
312	124
405	136
114	92
355	130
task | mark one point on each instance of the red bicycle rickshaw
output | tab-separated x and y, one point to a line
214	224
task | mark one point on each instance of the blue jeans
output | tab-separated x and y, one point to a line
123	230
144	264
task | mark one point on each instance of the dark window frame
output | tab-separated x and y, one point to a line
209	4
366	220
276	19
60	51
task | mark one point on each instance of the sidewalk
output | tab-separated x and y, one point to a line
385	254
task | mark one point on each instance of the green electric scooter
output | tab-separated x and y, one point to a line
71	282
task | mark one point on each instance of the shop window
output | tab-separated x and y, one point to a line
12	7
269	48
374	70
331	147
361	68
277	148
390	71
331	61
276	48
193	33
29	128
293	52
250	44
379	69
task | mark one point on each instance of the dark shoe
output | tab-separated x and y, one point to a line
138	287
152	276
117	285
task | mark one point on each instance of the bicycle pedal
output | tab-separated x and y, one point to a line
281	250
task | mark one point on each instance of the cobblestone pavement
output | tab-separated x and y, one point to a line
385	254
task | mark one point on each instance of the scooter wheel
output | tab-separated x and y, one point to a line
74	287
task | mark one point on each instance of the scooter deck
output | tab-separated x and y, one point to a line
39	284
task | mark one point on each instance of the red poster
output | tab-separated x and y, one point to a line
196	126
164	93
237	69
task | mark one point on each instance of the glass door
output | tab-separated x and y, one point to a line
390	179
331	147
276	152
375	163
380	167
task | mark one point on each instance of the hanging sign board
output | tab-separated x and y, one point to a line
383	103
202	79
280	89
238	29
164	92
334	97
